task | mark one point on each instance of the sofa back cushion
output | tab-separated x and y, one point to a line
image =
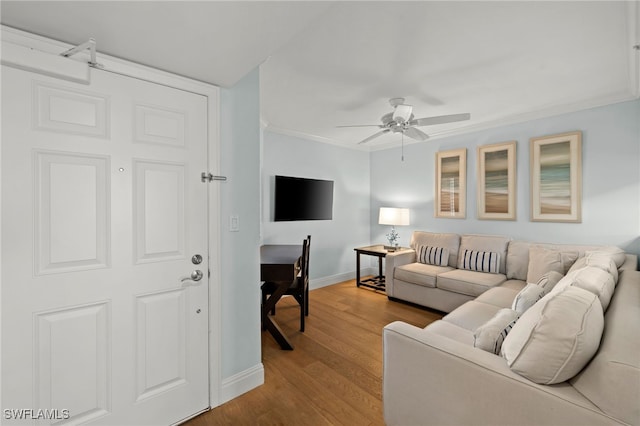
484	243
450	242
555	338
517	259
612	379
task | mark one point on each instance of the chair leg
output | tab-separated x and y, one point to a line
306	301
302	318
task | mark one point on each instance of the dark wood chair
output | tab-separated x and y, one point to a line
299	288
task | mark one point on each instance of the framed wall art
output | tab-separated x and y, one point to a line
497	181
451	184
556	177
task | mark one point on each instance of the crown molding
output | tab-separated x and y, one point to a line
302	135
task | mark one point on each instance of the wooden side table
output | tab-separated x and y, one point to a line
376	282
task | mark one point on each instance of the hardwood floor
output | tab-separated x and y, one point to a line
334	374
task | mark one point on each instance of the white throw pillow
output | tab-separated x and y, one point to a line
549	280
541	261
527	297
490	335
593	279
556	337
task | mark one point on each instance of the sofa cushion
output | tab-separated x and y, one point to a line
556	337
527	297
481	261
593	279
612	379
487	243
501	296
616	253
471	315
490	335
517	261
449	241
599	259
419	273
541	261
438	256
451	331
471	283
549	280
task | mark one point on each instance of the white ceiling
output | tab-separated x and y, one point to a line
326	64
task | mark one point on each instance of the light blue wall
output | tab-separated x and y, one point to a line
332	241
610	174
240	195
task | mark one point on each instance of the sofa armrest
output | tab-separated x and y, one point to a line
429	378
392	260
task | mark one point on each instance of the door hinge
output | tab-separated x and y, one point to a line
208	177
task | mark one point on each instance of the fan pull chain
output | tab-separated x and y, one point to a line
402	153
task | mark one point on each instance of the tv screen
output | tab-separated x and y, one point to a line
303	199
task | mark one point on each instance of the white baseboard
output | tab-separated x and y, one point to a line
334	279
242	382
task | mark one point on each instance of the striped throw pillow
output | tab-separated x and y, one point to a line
438	256
490	336
481	261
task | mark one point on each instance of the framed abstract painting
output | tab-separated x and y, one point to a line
451	184
556	178
497	181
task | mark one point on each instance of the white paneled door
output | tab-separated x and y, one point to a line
104	219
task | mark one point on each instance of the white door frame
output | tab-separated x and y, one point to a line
212	93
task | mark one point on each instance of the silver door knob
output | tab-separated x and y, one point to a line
195	276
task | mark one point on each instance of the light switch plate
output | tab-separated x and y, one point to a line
234	223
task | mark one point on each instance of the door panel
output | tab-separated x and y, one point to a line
72	219
74	343
103	208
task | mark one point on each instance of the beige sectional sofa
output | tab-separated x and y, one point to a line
572	357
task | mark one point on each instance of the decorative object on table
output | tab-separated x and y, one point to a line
556	177
451	184
497	181
393	216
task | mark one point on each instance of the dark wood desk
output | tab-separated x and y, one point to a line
280	264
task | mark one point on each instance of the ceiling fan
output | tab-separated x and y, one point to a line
401	120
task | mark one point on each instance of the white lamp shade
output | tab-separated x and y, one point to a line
393	216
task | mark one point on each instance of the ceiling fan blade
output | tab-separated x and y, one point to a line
441	119
416	134
380	133
363	125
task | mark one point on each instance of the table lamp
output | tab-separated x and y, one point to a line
393	216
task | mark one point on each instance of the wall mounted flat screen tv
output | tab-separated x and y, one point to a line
303	199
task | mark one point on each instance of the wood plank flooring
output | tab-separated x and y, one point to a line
334	374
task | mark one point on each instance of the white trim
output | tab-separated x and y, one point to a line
212	93
308	136
338	278
242	382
